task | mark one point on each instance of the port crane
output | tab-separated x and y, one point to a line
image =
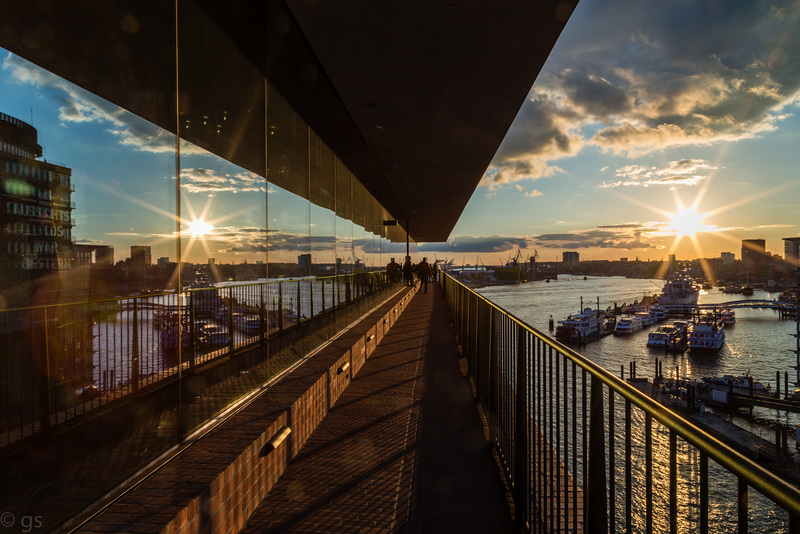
533	259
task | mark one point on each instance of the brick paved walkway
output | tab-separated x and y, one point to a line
403	450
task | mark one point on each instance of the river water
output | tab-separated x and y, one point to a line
760	343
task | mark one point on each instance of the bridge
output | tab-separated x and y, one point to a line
734	304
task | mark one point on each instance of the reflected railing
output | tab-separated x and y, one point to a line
585	451
66	360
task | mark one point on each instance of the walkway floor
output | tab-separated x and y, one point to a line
403	449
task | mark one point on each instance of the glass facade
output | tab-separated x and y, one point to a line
136	260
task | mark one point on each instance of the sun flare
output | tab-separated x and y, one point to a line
687	222
199	228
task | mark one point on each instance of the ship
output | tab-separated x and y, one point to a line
708	334
679	289
581	327
628	325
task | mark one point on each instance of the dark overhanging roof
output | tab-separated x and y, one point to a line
414	96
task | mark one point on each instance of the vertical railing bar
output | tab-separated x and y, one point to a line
557	445
742	507
520	435
567	501
550	440
596	495
673	482
540	421
585	436
648	477
612	493
575	443
628	469
703	493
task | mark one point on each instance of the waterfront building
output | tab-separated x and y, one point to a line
727	257
754	253
791	250
141	255
570	259
35	211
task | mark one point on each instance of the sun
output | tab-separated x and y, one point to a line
687	222
199	228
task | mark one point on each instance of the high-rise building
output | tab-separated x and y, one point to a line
791	248
753	251
727	257
140	255
35	208
571	259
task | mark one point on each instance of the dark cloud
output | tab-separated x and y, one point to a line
637	77
469	244
627	236
595	95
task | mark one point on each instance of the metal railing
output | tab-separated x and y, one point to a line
585	451
64	360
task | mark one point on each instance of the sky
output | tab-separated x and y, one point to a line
655	128
644	110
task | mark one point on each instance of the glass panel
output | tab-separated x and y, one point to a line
287	154
83	220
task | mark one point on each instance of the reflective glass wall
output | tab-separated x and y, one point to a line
135	259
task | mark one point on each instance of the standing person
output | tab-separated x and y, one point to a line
424	272
435	271
393	272
408	273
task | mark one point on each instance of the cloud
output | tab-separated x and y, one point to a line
199	180
77	105
629	236
679	172
480	245
633	79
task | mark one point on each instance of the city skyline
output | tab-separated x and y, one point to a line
643	110
653	129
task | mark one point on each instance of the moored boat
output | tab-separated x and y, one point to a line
679	289
708	334
628	325
581	327
727	316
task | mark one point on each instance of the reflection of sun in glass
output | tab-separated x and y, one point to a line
199	228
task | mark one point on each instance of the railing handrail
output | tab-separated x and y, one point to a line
179	293
773	487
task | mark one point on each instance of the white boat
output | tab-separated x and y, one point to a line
660	312
663	336
628	325
679	289
707	334
727	316
739	384
581	327
646	318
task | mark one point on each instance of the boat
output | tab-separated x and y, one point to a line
628	325
679	289
727	316
740	385
581	327
663	336
248	323
647	318
660	312
708	334
210	334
